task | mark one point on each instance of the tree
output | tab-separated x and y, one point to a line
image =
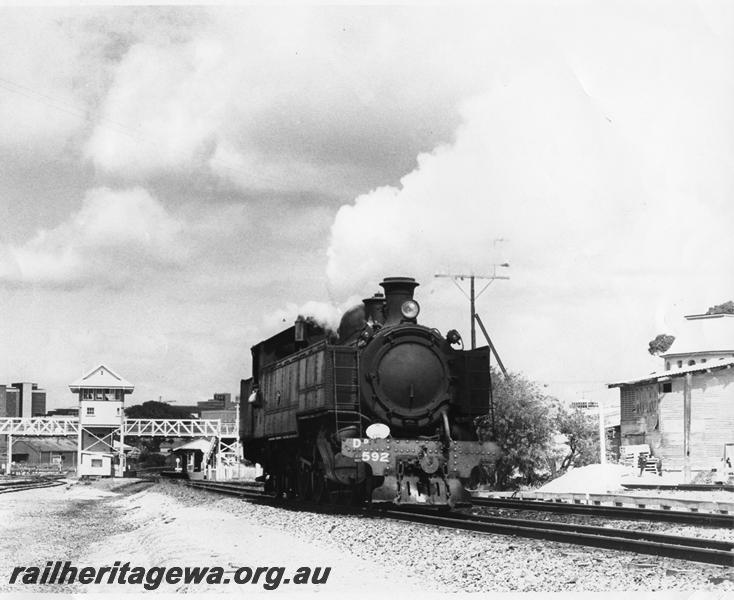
150	446
727	308
660	344
582	439
524	420
156	410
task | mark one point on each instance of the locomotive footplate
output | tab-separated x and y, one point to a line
420	471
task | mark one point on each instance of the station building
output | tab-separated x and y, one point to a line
685	411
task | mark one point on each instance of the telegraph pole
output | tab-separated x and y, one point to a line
472	312
472	295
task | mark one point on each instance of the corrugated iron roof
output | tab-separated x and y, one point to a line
678	371
202	445
49	444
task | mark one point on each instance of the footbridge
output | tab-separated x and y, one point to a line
225	433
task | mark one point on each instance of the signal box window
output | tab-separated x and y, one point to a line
97	462
90	411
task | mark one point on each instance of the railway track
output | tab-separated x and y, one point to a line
681	487
9	486
613	512
685	548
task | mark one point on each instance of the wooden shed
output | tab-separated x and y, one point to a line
685	414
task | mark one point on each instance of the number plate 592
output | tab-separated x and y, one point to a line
375	456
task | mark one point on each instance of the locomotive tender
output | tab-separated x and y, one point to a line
383	410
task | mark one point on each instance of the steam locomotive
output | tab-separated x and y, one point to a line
382	411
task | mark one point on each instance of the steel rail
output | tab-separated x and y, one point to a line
28	485
632	534
26	481
233	489
685	548
614	512
610	539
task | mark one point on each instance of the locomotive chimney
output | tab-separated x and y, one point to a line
397	291
374	308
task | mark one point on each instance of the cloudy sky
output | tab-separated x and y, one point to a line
177	183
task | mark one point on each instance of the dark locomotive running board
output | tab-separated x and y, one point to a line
614	512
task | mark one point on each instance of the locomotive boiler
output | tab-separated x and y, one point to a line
383	410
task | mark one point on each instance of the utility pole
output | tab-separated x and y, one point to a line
602	436
472	295
602	429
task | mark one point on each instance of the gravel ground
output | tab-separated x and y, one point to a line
464	561
100	524
169	524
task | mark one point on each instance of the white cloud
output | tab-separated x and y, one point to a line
114	237
310	99
168	103
39	107
607	174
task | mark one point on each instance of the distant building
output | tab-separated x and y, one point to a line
27	400
685	412
72	411
58	451
705	339
220	407
9	401
225	416
217	402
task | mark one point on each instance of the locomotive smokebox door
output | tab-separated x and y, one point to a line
406	377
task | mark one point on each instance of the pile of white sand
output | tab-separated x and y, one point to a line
591	479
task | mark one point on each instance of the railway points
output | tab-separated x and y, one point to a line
696	549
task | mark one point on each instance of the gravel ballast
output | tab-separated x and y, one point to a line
169	524
465	561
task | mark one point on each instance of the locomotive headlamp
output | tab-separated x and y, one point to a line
410	309
377	431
